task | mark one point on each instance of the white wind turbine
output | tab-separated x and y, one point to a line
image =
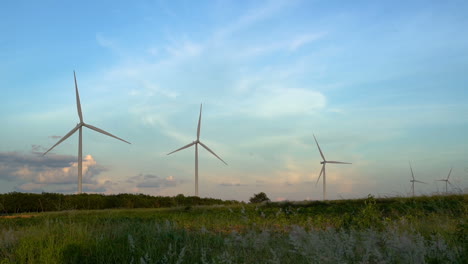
413	180
447	180
324	162
196	142
79	127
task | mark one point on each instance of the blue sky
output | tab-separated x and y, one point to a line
378	82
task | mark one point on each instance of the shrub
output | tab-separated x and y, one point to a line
259	198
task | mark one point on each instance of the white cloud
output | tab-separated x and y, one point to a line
254	51
291	44
279	102
67	174
154	51
35	173
246	83
152	89
103	41
302	40
265	11
165	127
184	49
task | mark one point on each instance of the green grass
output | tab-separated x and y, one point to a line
394	230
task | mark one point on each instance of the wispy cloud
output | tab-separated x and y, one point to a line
303	39
280	46
109	44
265	11
230	184
150	183
280	102
103	41
185	49
160	121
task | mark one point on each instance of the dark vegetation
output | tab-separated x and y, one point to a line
16	202
259	198
363	213
426	229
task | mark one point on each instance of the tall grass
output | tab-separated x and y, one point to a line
369	231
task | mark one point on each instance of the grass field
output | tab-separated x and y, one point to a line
394	230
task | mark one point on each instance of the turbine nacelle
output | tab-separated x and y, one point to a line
417	181
447	182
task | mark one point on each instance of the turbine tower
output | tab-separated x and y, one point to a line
413	180
324	162
79	127
447	180
196	142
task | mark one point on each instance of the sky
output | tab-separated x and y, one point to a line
379	83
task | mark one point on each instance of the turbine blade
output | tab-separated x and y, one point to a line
207	148
199	123
321	171
321	153
184	147
449	173
104	132
65	137
412	174
78	104
420	181
338	162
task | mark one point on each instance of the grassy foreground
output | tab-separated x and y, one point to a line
394	230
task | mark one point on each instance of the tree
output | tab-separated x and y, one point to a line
259	198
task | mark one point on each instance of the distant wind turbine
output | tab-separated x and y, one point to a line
196	142
447	180
324	162
413	180
79	127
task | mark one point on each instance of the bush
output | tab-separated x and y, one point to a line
259	198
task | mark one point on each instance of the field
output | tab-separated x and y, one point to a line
429	229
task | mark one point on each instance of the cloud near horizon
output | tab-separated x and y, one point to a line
153	181
228	184
33	172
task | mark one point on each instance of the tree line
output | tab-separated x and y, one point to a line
17	202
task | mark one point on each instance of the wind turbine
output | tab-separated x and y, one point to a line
413	180
196	142
324	162
447	180
79	127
